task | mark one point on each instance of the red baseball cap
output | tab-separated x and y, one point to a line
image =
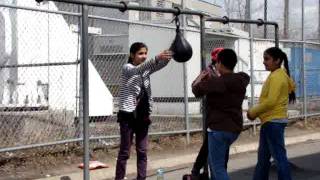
215	52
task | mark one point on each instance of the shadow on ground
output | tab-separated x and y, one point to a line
302	168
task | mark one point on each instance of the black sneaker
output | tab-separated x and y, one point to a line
187	177
203	176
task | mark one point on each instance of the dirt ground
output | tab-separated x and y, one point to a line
37	163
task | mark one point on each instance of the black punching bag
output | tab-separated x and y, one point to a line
182	50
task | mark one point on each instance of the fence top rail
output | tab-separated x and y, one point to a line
124	7
39	10
226	20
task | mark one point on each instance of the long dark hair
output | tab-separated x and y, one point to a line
135	47
276	53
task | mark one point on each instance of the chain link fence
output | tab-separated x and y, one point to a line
39	75
40	78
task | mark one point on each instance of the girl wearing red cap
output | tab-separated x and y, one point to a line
224	97
203	153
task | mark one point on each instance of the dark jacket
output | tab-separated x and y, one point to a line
224	95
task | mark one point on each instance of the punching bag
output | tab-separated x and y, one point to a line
182	50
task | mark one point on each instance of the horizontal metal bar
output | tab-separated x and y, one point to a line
105	137
288	41
39	10
130	7
297	41
261	39
307	115
258	82
247	21
110	35
40	64
110	54
259	70
11	149
226	35
175	132
90	16
138	23
313	99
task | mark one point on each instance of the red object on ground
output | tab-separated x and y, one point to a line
94	165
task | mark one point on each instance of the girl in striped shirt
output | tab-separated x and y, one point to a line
135	105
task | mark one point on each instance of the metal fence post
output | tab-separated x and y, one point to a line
276	35
303	67
252	76
85	89
186	100
15	45
185	80
203	66
265	31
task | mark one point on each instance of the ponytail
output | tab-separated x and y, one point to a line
277	53
292	95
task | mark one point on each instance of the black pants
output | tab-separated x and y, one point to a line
129	126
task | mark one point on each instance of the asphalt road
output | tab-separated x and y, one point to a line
305	158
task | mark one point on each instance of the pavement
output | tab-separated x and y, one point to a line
179	162
304	156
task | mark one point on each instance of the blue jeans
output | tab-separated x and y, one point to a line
219	143
272	144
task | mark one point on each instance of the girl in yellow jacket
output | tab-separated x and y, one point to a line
277	92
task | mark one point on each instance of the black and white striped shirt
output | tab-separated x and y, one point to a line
132	78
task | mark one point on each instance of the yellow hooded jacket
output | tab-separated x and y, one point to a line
274	98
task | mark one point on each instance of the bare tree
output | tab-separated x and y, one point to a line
235	9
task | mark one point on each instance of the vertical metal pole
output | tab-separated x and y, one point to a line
265	18
79	122
251	62
276	35
85	89
185	80
203	66
186	100
252	75
247	15
14	52
303	67
286	19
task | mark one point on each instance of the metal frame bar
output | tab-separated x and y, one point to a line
305	110
258	22
123	7
40	64
39	10
12	149
84	73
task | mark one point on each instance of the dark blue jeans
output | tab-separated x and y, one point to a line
126	133
272	144
219	143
